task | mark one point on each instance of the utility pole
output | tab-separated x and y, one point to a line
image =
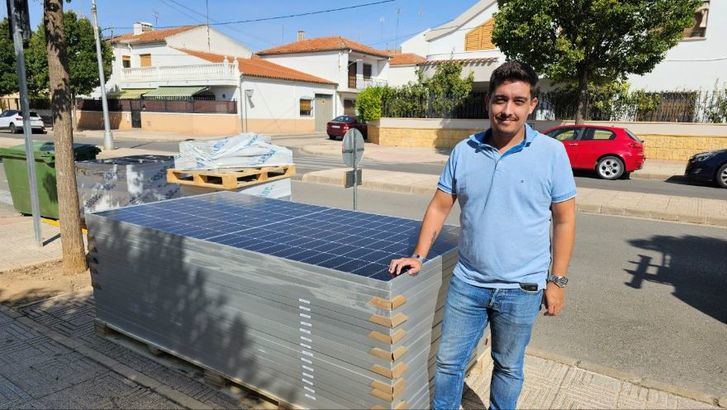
108	140
18	18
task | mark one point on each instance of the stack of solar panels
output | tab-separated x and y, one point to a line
292	299
115	182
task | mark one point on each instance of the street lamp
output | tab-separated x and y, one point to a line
108	141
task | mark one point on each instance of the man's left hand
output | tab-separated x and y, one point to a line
554	299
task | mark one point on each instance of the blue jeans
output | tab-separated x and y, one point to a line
511	313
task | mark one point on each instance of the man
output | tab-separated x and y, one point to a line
510	182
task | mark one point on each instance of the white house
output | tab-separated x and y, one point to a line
190	80
699	61
350	65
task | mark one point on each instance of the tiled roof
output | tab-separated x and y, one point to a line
406	59
151	36
258	67
323	44
467	61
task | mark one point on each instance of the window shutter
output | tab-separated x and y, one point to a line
480	38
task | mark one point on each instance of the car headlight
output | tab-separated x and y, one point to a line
704	156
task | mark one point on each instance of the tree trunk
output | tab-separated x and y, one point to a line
74	253
582	107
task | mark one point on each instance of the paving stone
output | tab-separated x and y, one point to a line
584	389
11	396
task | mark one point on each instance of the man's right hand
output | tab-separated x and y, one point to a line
398	265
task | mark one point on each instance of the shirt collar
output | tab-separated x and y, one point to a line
478	140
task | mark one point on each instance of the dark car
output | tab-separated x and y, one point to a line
339	126
709	167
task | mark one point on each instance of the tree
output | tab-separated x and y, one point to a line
74	254
590	41
81	50
8	76
447	88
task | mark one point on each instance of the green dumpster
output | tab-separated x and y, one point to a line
16	172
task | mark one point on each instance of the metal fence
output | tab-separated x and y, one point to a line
665	106
161	105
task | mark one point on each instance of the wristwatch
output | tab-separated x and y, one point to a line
560	281
418	257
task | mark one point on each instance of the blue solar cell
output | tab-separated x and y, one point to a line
354	242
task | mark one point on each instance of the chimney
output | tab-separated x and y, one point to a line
141	27
301	35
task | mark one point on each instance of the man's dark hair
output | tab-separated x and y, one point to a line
513	71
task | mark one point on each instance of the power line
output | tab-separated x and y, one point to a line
286	16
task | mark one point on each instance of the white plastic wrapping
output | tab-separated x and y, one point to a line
244	150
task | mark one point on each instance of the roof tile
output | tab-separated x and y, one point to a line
258	67
323	44
151	36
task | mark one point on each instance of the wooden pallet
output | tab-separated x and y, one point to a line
231	179
229	385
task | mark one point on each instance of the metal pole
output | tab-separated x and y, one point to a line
355	173
27	130
108	140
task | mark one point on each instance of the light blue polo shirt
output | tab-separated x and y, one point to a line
505	204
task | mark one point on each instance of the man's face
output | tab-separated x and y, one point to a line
510	105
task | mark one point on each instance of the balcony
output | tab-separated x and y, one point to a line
359	83
225	73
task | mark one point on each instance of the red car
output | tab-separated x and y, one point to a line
612	152
339	126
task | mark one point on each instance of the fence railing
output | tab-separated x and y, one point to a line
161	105
667	106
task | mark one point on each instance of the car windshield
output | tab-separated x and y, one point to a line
34	114
344	118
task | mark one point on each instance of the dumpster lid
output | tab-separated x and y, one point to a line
45	151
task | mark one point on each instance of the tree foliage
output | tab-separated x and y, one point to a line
82	63
8	78
590	41
438	96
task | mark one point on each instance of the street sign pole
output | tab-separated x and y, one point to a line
355	176
108	140
352	148
16	24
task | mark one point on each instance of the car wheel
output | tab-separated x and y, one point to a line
722	176
610	167
12	128
331	137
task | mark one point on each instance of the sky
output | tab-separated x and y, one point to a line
382	25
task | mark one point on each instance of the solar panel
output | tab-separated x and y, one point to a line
358	243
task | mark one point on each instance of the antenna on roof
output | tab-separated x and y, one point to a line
156	18
207	14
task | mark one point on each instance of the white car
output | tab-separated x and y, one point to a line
12	120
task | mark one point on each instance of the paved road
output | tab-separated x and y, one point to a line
308	163
645	297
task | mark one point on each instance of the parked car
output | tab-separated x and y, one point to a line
339	126
710	167
12	120
612	152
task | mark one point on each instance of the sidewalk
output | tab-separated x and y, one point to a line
51	358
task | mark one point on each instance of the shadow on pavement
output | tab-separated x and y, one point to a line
696	266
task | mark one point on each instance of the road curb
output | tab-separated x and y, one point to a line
631	378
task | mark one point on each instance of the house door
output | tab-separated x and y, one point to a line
352	75
349	107
135	107
323	111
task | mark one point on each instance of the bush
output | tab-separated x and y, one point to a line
369	103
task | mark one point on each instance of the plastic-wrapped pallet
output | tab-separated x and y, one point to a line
244	150
278	189
116	182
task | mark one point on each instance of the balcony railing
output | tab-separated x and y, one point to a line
361	83
226	71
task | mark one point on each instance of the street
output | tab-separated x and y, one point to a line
645	297
308	163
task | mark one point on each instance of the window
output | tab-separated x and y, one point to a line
366	71
306	107
698	29
564	134
145	60
480	38
597	135
126	61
